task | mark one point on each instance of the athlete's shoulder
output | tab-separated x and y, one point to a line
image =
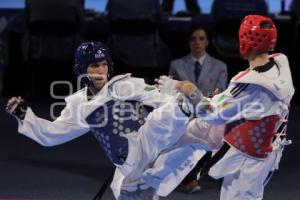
279	57
76	97
237	88
126	79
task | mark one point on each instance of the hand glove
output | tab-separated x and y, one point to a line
192	100
166	85
16	106
190	91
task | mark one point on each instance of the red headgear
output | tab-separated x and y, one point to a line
257	34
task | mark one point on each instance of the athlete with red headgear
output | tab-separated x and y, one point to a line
255	110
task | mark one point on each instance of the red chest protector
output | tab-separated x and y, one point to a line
253	137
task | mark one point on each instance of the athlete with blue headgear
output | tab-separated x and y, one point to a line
93	65
150	150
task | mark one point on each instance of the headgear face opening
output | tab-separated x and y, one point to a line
87	53
257	34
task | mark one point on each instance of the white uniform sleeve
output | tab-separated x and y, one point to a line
47	133
137	89
239	101
209	134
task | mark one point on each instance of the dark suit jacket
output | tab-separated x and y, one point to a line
213	74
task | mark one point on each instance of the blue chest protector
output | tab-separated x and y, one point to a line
111	121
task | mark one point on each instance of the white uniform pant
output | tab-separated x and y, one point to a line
244	177
157	157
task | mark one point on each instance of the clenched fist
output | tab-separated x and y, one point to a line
190	91
16	106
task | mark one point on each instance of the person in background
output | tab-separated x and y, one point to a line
208	74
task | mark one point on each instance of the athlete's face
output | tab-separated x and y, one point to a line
98	73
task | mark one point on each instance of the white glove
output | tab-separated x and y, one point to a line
166	85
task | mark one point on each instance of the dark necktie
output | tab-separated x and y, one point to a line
197	70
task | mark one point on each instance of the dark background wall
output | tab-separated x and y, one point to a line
169	31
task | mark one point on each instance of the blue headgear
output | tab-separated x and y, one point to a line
91	52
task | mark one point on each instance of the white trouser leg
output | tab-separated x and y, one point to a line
229	183
148	194
248	182
163	128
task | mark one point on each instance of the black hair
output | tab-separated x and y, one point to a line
196	28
